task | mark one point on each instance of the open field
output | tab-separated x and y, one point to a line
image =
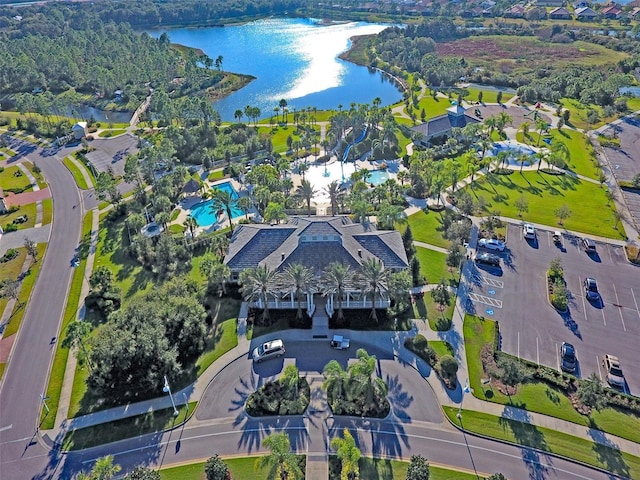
512	53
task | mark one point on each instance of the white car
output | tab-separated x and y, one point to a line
268	350
528	231
491	244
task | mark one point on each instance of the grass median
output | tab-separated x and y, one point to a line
76	171
552	441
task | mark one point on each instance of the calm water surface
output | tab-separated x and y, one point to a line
292	59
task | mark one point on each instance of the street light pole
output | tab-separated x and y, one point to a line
464	390
167	389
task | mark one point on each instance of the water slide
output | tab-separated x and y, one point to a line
357	140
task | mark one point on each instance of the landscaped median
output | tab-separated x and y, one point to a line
74	168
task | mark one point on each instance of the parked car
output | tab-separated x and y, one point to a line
589	245
528	231
611	365
267	350
568	360
591	288
488	259
491	244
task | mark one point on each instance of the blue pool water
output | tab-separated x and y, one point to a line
514	150
203	213
378	177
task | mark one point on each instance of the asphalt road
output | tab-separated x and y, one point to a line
26	375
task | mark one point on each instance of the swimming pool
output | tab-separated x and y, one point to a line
515	152
203	213
378	177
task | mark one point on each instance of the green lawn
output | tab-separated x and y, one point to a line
76	172
425	307
10	271
581	155
537	396
222	339
547	440
151	422
12	178
426	226
2	368
111	133
38	176
432	107
216	175
243	468
433	265
545	194
29	210
578	114
488	96
71	311
25	293
47	211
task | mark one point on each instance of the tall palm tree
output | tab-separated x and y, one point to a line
245	204
283	106
524	128
333	190
281	462
258	283
333	281
301	277
191	224
223	201
349	455
105	469
361	382
374	279
541	126
335	381
306	191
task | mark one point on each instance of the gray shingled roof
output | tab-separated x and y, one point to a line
276	246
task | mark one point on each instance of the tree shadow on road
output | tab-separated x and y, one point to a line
608	453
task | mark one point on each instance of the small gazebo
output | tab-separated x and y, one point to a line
191	187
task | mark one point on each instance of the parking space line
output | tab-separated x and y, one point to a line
557	357
598	365
634	301
619	307
604	319
488	281
518	344
537	352
474	297
609	250
584	305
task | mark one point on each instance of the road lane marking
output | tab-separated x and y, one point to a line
619	307
474	297
8	427
634	301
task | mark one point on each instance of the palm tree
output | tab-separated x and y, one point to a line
191	224
502	121
301	277
333	281
281	462
257	283
491	123
105	469
306	191
283	106
302	169
541	125
77	332
223	201
333	190
335	380
245	204
524	128
361	381
374	279
349	455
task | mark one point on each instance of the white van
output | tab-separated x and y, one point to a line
267	350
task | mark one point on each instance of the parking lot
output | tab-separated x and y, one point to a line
110	153
516	296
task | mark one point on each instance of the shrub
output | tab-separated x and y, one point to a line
9	255
448	367
10	227
420	347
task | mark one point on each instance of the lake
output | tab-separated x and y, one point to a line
292	59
